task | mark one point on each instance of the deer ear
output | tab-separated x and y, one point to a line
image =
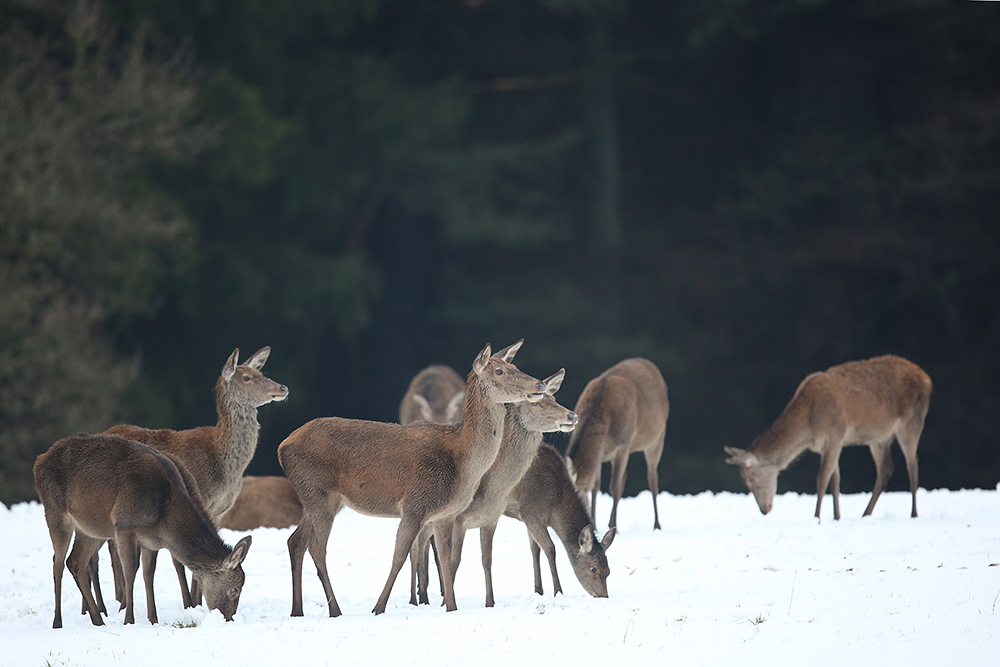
230	368
554	381
586	539
508	352
454	405
608	538
480	363
234	559
425	407
256	362
570	469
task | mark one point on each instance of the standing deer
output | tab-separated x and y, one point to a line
523	426
421	472
105	487
216	456
623	410
867	402
546	498
264	502
435	395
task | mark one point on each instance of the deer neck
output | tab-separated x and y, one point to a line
516	452
191	537
480	435
569	518
787	437
237	433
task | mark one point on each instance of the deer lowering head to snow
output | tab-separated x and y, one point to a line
867	402
623	410
421	472
217	456
523	426
105	487
264	502
546	498
435	395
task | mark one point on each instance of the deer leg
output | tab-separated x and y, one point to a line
116	570
653	455
420	567
406	533
540	535
195	585
908	438
61	537
619	464
593	497
186	598
444	530
486	547
148	568
536	564
882	455
84	548
297	543
317	549
128	552
93	575
829	460
457	542
835	490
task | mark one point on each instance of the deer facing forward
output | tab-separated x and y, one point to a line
867	402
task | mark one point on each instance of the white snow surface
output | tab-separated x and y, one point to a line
720	584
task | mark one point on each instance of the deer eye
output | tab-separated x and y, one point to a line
233	592
499	371
246	378
593	570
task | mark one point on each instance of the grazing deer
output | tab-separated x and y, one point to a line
216	456
264	502
623	410
421	472
546	498
105	487
523	426
435	395
857	403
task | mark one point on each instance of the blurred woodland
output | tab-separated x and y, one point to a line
743	192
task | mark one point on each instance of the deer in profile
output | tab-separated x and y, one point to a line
216	456
623	410
523	426
106	487
868	402
546	498
265	502
421	472
435	395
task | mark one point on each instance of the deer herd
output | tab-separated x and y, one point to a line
464	454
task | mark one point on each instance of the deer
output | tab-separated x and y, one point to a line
523	426
623	410
869	402
217	456
546	497
264	502
435	395
420	473
106	487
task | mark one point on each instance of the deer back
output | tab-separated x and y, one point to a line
264	502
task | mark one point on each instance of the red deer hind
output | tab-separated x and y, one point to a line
435	395
422	472
105	487
523	426
216	456
265	502
867	402
546	498
623	410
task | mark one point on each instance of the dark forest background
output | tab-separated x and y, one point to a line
744	192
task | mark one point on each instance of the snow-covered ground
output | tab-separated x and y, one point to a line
719	585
